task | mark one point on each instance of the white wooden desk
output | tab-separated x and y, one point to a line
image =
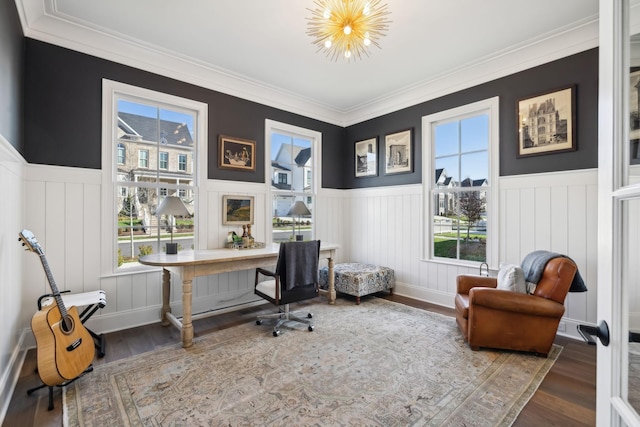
190	264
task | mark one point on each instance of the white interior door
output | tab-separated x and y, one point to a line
618	376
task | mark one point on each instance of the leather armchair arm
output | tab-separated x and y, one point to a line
467	281
503	300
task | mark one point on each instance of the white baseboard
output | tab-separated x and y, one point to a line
10	376
422	294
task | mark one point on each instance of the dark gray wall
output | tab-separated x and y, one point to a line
63	98
63	110
11	71
580	70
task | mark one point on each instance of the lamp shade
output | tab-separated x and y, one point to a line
172	205
299	208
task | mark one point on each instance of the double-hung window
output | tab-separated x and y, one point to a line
155	127
292	167
461	170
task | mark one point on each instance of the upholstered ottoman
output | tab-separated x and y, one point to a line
358	279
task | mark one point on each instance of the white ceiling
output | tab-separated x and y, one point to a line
259	49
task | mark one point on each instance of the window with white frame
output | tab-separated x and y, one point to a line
461	170
143	158
292	167
155	126
164	160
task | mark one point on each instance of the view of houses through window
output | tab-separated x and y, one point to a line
460	188
291	181
154	153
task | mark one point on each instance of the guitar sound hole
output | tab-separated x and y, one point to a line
66	324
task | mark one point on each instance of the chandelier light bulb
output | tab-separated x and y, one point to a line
347	54
327	13
367	42
347	29
367	9
327	43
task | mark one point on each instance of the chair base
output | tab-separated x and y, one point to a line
284	317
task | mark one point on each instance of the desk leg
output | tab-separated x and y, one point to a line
187	326
166	291
332	284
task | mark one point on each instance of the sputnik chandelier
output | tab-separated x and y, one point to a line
346	28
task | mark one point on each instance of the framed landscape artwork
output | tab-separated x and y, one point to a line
398	152
546	123
237	210
367	157
236	153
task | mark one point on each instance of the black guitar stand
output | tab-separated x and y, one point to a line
92	301
64	384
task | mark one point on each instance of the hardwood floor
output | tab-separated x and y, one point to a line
566	397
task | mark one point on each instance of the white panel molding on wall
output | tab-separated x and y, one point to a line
552	211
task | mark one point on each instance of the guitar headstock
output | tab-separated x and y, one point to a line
29	241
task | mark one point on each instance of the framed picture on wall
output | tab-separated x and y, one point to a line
236	153
398	152
367	157
546	123
237	210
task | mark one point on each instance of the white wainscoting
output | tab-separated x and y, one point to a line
11	282
552	211
64	211
377	225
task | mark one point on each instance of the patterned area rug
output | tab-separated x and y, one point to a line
375	364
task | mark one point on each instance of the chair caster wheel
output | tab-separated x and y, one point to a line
310	328
310	316
258	322
276	333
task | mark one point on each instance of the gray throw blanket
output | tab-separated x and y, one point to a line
534	263
298	263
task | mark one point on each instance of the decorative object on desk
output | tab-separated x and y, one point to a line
298	209
236	153
172	206
361	379
250	236
398	152
367	157
546	123
237	210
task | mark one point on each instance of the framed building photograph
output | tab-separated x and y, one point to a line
236	153
398	152
367	157
546	123
237	210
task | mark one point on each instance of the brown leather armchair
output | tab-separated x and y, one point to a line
496	318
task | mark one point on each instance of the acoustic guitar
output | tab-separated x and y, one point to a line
65	348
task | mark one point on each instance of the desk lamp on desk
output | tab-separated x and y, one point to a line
172	206
298	208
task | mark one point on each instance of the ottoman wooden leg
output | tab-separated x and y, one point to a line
358	300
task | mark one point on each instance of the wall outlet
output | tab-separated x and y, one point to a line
562	327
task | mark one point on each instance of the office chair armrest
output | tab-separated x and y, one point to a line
265	272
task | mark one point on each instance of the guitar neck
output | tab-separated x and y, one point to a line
54	287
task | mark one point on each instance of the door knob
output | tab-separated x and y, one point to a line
601	331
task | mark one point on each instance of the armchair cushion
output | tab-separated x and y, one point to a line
511	278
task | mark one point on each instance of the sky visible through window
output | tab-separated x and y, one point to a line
463	144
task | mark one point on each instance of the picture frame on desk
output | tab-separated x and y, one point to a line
236	153
237	210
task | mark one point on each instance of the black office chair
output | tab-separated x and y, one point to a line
295	279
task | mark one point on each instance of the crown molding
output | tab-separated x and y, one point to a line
41	22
